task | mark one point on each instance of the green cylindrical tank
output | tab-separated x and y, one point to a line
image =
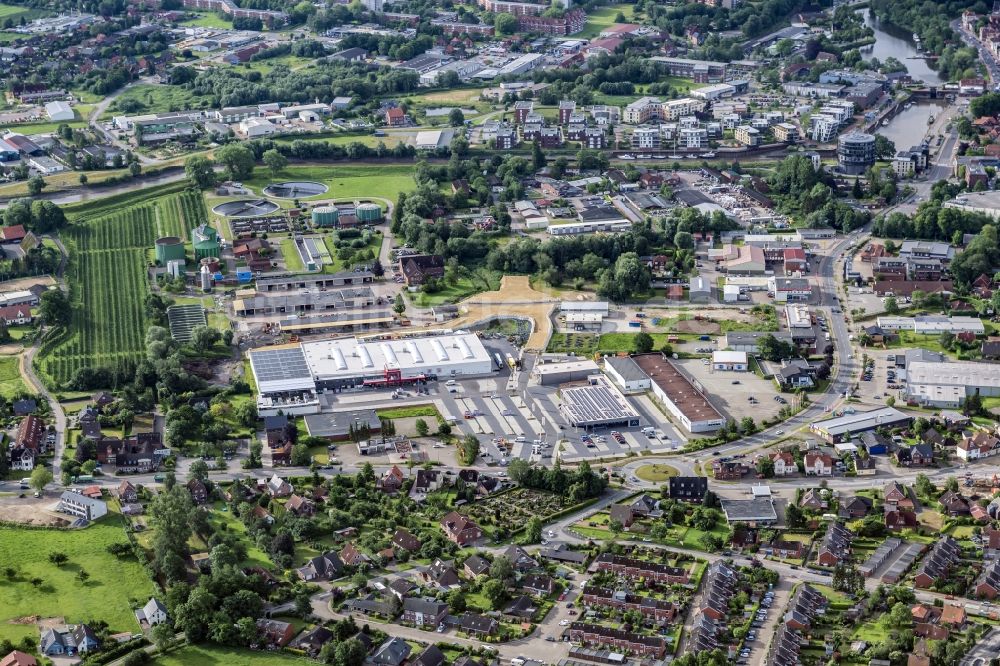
369	212
325	216
169	248
206	242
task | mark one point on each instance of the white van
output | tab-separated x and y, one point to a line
521	439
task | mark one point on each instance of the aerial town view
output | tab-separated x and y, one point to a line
500	332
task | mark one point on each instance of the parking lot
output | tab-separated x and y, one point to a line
734	399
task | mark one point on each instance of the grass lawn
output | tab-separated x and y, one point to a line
44	128
109	595
603	18
8	37
217	655
455	96
209	20
655	473
386	181
415	411
156	98
477	281
10	377
625	342
226	521
293	262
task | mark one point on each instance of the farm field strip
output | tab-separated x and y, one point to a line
108	271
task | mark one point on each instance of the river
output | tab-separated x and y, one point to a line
891	41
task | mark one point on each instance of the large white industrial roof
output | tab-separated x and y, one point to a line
350	357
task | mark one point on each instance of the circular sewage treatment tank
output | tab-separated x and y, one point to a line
295	189
246	208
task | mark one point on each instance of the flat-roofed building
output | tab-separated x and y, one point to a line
686	402
949	384
627	374
598	405
553	374
841	428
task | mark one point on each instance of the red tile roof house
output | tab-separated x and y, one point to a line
13	234
395	117
15	315
417	268
29	433
460	530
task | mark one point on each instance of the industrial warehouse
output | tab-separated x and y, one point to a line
598	404
290	376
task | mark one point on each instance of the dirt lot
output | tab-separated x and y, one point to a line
25	283
30	511
731	398
515	297
700	327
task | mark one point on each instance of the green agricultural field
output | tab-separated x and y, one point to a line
603	18
177	215
107	274
154	98
214	655
377	180
44	128
10	377
110	593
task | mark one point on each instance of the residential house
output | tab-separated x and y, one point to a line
275	632
953	616
688	488
461	530
836	545
403	539
300	506
540	585
441	573
818	464
954	504
152	614
127	492
784	463
897	519
322	567
988	583
944	554
81	506
621	514
417	268
897	495
391	481
391	653
352	557
18	658
68	641
311	641
476	566
21	459
198	491
278	487
855	507
520	609
424	612
431	656
29	434
478	625
812	500
635	568
520	558
659	610
599	635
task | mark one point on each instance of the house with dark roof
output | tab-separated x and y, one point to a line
311	641
431	656
541	585
688	488
954	504
441	573
424	612
417	268
621	514
835	546
635	568
988	583
658	610
897	519
563	554
198	491
478	625
393	652
476	566
520	609
944	554
855	507
322	567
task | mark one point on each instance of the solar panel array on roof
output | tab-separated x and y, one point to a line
596	404
280	368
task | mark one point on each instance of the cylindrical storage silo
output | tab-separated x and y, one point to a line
325	216
369	213
168	248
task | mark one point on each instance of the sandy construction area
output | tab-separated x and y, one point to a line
515	298
30	511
